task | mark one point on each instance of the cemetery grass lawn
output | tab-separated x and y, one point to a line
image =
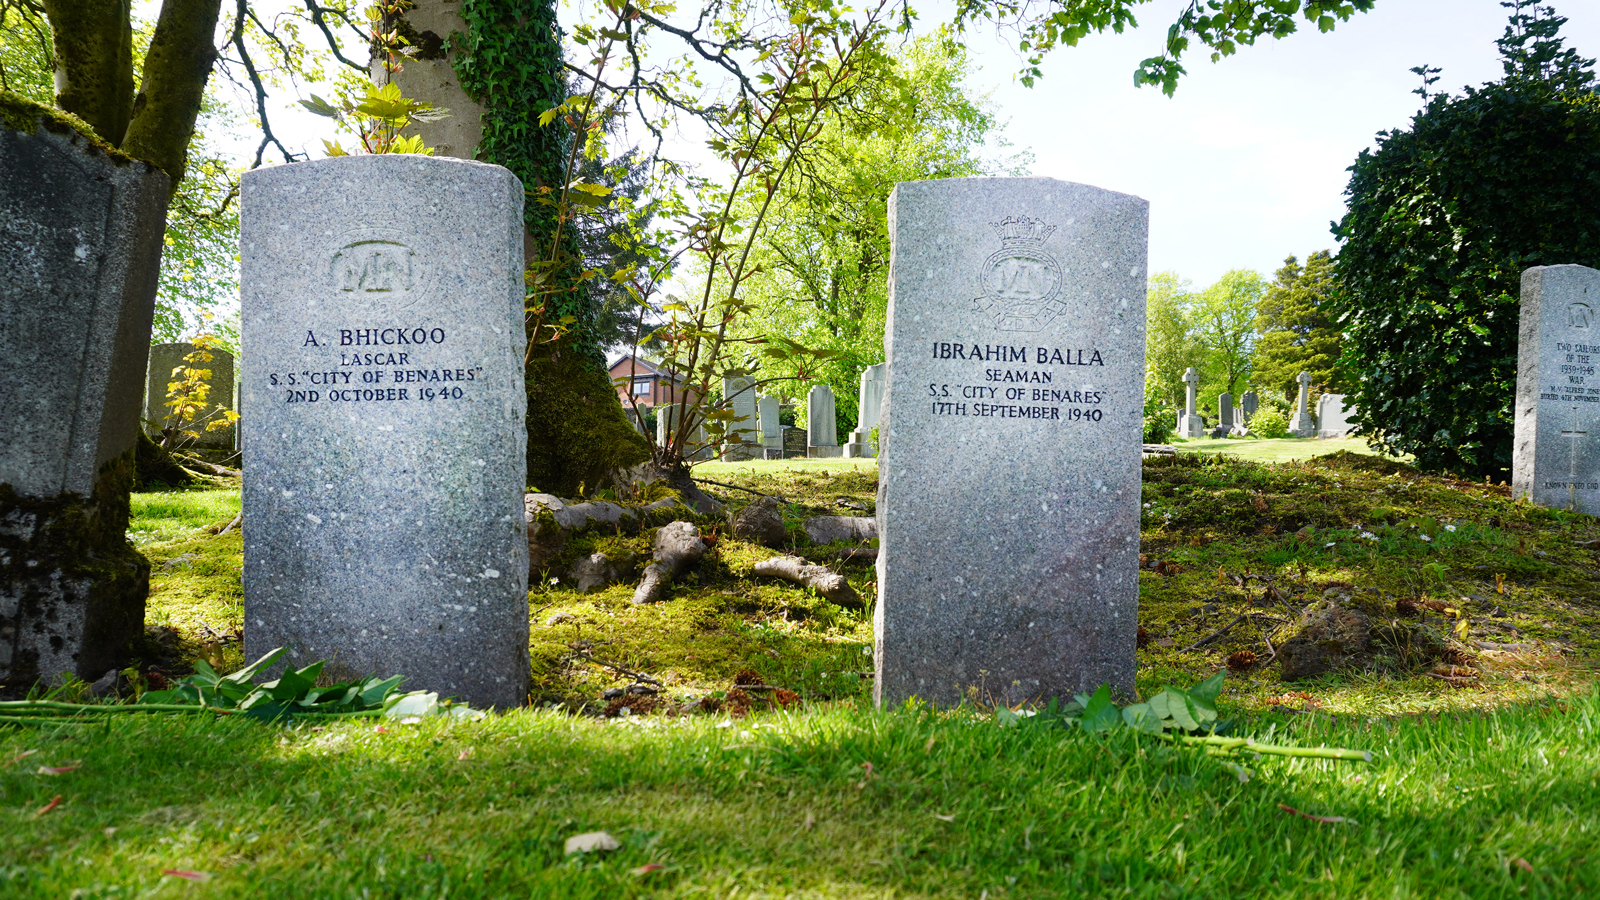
1277	449
195	584
837	801
1471	787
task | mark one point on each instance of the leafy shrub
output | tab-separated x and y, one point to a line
1159	421
1444	217
1269	423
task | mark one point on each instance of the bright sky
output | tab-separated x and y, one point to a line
1246	164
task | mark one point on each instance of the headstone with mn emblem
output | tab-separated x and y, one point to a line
1008	506
383	338
1555	458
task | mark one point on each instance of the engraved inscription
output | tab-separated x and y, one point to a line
1579	315
1021	281
998	392
373	267
385	376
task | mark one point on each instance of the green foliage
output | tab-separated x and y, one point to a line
1443	218
1296	332
188	394
1170	345
821	262
1223	320
1221	25
1159	419
376	115
1269	422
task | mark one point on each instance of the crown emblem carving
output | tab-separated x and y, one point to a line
1023	232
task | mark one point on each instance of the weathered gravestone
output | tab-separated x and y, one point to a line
1190	422
1555	457
822	432
1248	404
383	329
869	407
80	246
694	445
1008	509
767	410
164	358
1333	419
1225	414
1303	426
740	396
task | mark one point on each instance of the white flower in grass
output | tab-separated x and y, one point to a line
1368	536
1450	528
1329	544
1426	538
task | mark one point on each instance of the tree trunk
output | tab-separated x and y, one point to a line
94	63
175	70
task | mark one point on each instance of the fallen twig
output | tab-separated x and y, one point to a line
1326	820
731	487
636	676
1214	635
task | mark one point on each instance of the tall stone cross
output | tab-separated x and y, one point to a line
1192	379
1577	435
1304	378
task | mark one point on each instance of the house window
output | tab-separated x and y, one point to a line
641	387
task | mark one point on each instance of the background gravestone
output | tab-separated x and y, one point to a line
822	432
740	396
80	246
1008	507
870	409
1555	456
166	357
1225	414
1333	419
1303	425
794	441
383	335
1190	423
1248	404
767	410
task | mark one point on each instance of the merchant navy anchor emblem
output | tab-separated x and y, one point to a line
1021	281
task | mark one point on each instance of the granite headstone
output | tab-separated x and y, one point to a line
822	431
694	445
80	245
1225	414
767	411
1008	506
383	332
1555	457
1248	404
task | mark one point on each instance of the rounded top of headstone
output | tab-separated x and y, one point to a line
379	165
1034	184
